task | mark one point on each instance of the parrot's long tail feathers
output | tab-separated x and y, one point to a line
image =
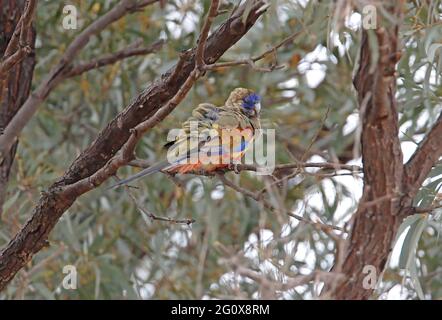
152	169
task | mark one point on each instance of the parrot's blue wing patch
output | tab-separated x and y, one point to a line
242	146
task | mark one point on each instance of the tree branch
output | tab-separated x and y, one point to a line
251	61
279	167
200	49
424	158
133	50
149	215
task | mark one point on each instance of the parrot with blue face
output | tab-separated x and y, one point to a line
213	138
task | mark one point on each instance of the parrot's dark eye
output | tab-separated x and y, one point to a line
250	101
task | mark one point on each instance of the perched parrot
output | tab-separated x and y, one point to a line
213	137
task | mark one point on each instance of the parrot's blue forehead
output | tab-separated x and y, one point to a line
251	100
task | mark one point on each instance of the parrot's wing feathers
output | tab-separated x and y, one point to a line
227	120
202	118
205	111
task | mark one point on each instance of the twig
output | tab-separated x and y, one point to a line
8	63
270	287
289	282
45	261
315	137
133	50
248	62
147	214
257	197
427	209
366	204
251	61
200	49
22	26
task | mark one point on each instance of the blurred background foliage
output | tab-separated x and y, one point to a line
310	102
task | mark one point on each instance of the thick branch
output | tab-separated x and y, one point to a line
424	158
19	47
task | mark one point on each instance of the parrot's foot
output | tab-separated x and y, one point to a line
235	167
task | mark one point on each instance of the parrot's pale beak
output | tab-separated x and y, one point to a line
258	107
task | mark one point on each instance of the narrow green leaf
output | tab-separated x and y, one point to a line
411	240
8	204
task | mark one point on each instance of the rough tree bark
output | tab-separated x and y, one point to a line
17	83
55	201
389	185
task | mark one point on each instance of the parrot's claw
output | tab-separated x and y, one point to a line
235	168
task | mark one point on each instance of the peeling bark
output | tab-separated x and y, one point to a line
17	84
389	186
374	227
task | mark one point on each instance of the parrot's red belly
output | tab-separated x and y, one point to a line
185	168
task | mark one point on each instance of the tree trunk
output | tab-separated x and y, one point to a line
17	83
385	201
